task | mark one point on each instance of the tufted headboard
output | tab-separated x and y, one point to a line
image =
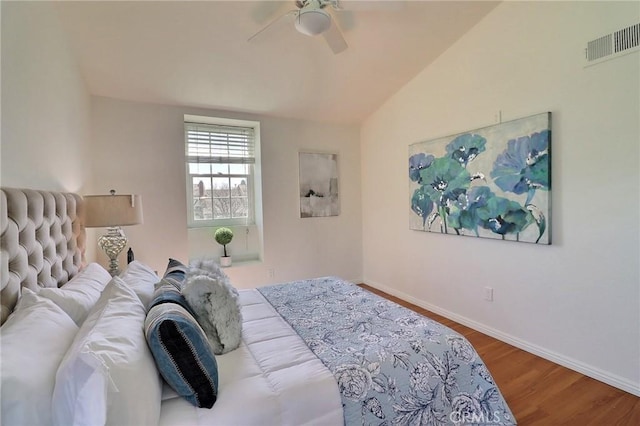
43	241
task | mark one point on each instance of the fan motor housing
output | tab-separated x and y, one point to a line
313	21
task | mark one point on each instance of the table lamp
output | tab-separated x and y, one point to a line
112	212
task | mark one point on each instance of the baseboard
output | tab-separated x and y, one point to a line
568	362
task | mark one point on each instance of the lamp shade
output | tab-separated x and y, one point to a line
112	210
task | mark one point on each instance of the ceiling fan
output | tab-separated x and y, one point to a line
312	18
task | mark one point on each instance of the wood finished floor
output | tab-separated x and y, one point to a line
540	392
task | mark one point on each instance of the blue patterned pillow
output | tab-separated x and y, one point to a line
181	350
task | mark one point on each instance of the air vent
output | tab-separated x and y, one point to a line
627	38
599	48
613	45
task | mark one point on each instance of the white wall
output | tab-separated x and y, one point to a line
577	301
139	148
45	104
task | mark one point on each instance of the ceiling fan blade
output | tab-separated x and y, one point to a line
334	38
265	11
387	5
272	23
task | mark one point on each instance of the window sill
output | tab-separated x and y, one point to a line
242	263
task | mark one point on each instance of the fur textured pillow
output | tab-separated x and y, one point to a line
215	303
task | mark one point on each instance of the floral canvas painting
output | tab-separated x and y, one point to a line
493	182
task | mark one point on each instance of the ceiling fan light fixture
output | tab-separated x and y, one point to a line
313	22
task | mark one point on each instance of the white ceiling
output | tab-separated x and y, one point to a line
197	54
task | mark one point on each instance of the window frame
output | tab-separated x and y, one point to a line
250	176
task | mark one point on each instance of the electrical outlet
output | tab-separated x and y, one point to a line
488	294
272	273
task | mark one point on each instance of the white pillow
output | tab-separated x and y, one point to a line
108	376
142	280
34	340
78	296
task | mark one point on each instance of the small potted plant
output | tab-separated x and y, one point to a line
223	236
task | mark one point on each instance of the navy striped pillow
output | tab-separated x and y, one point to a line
165	292
182	353
175	273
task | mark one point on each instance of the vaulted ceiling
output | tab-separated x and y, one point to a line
197	53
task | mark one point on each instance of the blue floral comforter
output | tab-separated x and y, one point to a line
392	365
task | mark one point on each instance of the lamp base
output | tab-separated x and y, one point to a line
112	243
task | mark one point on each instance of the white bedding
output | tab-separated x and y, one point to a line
273	378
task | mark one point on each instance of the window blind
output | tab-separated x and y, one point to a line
210	143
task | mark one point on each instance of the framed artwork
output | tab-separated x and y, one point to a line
318	184
493	182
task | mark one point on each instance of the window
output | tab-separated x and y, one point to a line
220	162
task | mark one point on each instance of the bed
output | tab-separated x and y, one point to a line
320	351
